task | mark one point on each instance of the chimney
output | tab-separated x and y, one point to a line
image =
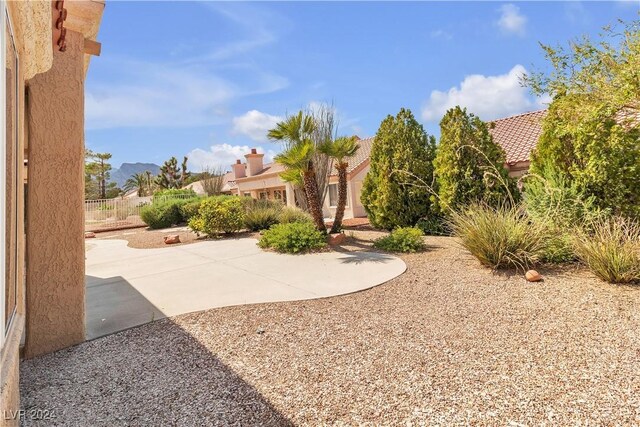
238	170
254	162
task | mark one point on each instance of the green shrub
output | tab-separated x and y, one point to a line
190	208
161	215
261	218
293	238
290	214
172	192
404	239
260	214
219	214
432	226
499	237
612	250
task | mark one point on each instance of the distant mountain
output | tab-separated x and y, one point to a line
124	172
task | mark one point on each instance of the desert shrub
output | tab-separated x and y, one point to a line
432	226
294	237
161	215
404	239
261	218
172	192
612	250
290	214
499	237
562	208
219	214
190	208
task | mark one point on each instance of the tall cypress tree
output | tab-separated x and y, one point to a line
469	166
393	193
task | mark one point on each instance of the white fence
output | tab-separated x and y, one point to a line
108	214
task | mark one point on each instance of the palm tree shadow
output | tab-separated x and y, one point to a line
361	257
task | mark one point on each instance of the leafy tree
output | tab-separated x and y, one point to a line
297	158
591	131
402	153
469	166
97	174
171	176
142	181
340	150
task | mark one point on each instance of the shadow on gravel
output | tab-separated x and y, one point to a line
153	375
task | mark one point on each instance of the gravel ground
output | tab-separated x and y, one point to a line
446	343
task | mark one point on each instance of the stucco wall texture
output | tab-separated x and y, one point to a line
32	23
55	214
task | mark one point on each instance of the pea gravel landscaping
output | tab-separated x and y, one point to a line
446	343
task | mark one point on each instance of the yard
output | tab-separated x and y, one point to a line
448	342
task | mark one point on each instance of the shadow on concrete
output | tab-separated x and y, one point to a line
156	374
113	305
365	257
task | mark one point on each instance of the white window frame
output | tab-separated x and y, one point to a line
337	195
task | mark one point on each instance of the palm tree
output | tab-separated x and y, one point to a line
297	158
340	150
141	181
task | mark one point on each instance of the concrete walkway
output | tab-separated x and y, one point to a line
128	287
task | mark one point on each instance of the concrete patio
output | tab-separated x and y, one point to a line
128	287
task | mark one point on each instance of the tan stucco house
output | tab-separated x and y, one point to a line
254	178
45	50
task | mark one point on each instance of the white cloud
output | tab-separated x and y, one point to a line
194	91
511	20
489	97
441	34
255	124
223	156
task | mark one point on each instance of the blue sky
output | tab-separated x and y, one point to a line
207	79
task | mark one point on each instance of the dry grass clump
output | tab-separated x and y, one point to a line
612	250
499	237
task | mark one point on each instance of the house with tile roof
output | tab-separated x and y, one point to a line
518	135
254	178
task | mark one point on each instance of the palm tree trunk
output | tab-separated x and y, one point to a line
313	199
342	197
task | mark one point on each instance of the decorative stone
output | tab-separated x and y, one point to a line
533	276
335	238
171	239
89	235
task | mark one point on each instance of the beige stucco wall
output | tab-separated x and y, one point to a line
354	208
55	238
31	24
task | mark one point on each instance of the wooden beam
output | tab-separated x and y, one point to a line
92	47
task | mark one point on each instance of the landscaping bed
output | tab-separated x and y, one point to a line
448	342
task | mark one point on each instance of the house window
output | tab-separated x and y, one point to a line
280	195
246	194
11	165
264	195
333	195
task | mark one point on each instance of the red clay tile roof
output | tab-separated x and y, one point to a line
518	135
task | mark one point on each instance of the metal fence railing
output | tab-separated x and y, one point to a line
108	214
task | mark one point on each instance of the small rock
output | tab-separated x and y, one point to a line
335	238
89	235
173	238
533	276
260	331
